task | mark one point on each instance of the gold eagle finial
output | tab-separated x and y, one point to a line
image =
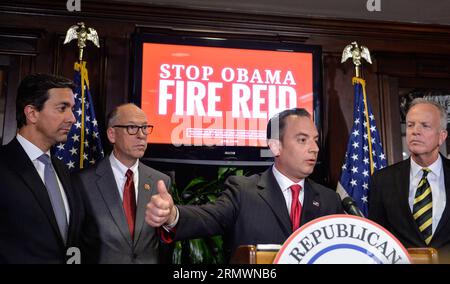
83	34
357	54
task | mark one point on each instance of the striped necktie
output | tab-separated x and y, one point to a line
423	207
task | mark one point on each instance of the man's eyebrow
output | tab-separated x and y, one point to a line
136	122
64	104
304	134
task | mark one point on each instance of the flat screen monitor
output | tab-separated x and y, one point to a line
210	99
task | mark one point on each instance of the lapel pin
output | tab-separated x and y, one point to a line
316	203
146	186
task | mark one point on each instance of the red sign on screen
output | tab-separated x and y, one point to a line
220	96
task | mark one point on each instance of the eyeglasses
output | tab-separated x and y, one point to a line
133	129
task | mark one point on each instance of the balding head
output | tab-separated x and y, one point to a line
119	111
127	132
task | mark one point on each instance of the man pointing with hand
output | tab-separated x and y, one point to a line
265	208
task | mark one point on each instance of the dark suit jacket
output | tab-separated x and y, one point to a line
28	229
105	234
252	210
388	206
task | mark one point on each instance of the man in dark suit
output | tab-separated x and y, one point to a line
261	209
40	213
116	192
412	198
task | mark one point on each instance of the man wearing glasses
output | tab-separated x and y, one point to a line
115	194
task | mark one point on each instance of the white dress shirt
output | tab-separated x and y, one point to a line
285	183
436	180
33	152
120	170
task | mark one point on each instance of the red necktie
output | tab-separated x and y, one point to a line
296	207
129	202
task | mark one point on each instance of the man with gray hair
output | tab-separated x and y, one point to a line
115	193
410	198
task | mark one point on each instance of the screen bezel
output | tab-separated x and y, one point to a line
220	155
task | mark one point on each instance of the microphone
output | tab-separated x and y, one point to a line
351	207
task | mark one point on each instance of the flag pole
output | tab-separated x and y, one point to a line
82	34
357	54
364	153
83	73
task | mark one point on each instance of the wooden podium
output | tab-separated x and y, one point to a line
250	254
423	255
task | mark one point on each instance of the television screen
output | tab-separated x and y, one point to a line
215	96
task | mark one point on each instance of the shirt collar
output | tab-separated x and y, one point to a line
121	168
435	168
32	150
283	181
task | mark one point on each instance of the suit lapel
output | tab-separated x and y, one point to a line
24	167
270	192
442	233
311	203
107	186
146	188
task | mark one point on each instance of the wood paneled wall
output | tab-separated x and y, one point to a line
32	32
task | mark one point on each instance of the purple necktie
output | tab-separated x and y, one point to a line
54	193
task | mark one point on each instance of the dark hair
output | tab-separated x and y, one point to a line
33	90
279	120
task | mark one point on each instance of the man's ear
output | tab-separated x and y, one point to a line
275	146
111	133
31	113
442	136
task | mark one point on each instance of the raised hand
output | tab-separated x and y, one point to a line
160	210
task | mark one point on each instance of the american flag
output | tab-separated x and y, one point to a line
364	151
83	146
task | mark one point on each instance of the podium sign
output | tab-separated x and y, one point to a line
342	239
